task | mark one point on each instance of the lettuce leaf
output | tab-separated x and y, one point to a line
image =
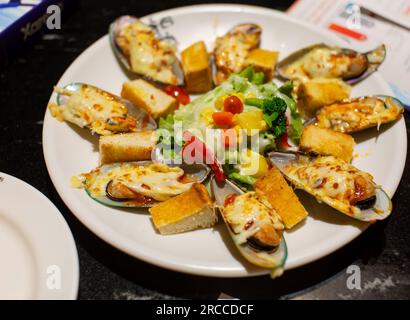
167	123
296	127
287	88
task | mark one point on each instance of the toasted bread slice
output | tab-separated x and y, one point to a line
197	70
144	95
188	211
280	195
263	60
134	146
316	93
327	142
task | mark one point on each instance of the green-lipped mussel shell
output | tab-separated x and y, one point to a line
380	209
274	260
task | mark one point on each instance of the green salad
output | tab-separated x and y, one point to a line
264	113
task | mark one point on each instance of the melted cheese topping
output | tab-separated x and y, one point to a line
94	108
357	115
333	181
231	51
246	214
148	55
157	181
319	63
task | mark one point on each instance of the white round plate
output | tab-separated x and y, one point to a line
38	253
69	151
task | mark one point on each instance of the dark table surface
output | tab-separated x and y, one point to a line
382	252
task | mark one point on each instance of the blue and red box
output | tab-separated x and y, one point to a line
22	21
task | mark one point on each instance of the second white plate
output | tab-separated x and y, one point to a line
38	254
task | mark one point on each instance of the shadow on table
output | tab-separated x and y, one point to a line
368	245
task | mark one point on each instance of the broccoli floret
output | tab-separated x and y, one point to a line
273	113
275	104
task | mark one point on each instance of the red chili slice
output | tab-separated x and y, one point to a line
195	151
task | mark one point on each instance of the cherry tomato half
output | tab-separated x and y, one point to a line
223	119
233	104
178	93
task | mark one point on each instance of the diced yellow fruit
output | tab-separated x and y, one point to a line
219	103
240	95
252	164
238	135
251	120
206	116
263	166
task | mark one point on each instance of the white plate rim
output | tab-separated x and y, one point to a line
118	241
71	266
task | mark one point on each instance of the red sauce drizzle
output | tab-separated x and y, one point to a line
248	224
229	199
185	179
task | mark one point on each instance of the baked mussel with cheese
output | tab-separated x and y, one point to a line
336	183
142	52
232	49
354	115
323	61
138	184
255	227
102	112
